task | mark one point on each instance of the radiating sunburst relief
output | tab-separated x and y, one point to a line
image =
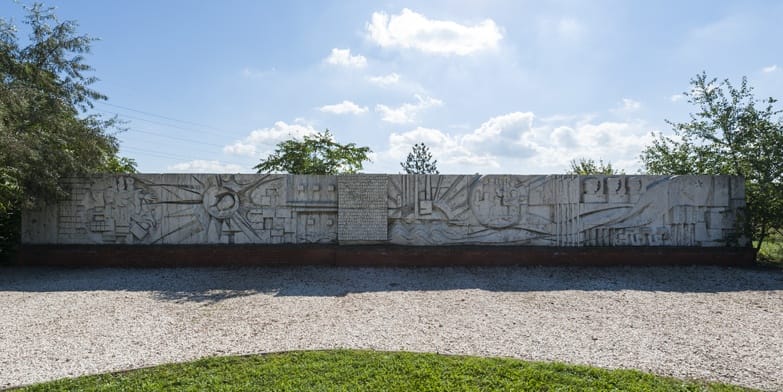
193	209
555	210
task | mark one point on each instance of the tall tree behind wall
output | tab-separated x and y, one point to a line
419	161
316	154
588	166
46	133
731	132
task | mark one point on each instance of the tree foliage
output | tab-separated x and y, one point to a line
420	161
731	132
316	154
118	164
45	131
588	166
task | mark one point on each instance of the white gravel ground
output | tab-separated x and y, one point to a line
707	323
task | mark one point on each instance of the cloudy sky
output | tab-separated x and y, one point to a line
491	86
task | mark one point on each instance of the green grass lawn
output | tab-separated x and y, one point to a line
354	370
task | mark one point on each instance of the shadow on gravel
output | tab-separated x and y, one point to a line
217	284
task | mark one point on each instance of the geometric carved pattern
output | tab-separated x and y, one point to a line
556	210
560	210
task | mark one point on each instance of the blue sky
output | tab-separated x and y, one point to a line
491	87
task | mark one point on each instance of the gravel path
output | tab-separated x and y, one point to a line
708	323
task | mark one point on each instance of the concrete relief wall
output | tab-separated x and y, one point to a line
190	209
555	210
564	210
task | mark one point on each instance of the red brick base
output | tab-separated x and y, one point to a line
370	256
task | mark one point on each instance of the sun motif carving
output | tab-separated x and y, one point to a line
220	202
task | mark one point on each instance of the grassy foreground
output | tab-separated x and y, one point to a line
352	370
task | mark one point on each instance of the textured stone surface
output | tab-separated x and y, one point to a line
564	210
556	210
362	213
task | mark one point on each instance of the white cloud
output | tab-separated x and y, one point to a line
445	148
343	108
203	166
771	68
408	111
385	80
502	135
617	141
630	104
262	141
413	30
627	106
239	148
496	140
677	97
343	57
565	136
517	143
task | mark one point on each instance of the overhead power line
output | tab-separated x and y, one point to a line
202	128
169	156
161	154
163	124
158	134
159	116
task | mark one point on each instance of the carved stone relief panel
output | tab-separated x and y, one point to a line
193	209
453	209
562	210
556	210
668	211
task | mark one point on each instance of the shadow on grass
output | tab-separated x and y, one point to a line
217	284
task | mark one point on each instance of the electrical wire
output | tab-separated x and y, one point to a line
158	115
158	134
163	154
160	123
169	156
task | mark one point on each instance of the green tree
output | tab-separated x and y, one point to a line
45	131
117	164
420	161
731	132
586	167
316	154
